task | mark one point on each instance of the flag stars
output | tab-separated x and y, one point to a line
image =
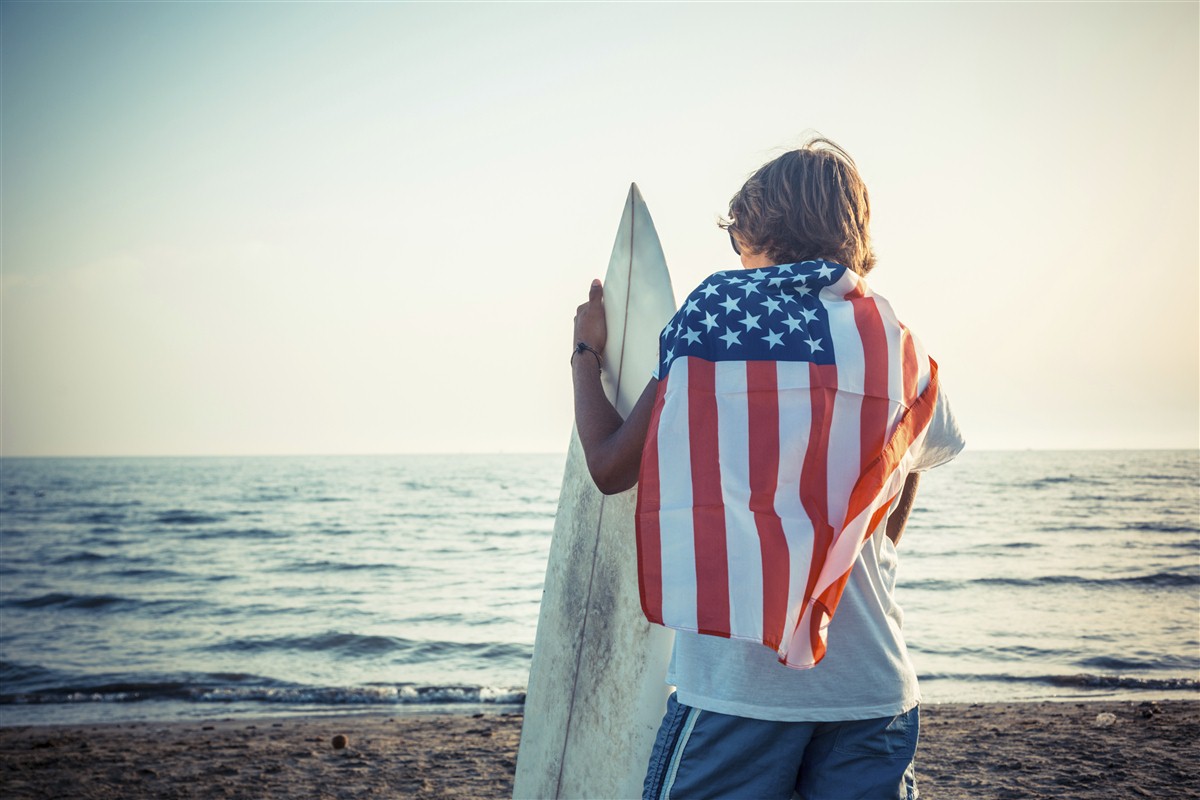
709	321
709	289
751	320
808	314
771	305
730	304
792	323
735	280
749	288
693	306
813	344
731	337
692	336
825	271
758	275
773	338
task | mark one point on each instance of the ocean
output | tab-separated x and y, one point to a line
175	588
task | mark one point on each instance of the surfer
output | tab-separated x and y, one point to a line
789	407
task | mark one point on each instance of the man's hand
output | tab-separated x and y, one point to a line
590	327
613	446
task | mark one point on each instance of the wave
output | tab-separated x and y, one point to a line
90	601
103	518
238	533
1177	478
181	516
1073	528
1080	681
336	566
1056	480
355	695
1161	527
99	602
360	645
1161	662
1159	580
402	694
85	556
147	574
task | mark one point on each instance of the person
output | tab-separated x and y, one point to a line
778	447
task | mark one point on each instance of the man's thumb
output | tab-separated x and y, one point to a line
596	294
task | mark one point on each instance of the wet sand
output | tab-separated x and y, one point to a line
1064	750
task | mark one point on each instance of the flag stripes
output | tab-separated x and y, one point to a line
789	405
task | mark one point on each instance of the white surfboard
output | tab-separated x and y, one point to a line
596	690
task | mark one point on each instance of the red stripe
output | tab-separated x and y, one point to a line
827	603
878	517
873	479
910	370
708	507
832	595
816	642
875	403
814	478
648	532
762	398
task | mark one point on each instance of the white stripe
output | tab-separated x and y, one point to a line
837	290
843	459
845	548
923	371
741	532
795	420
895	357
798	650
677	756
675	491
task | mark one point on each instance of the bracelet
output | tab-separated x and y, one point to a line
583	347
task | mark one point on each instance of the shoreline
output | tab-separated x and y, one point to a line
1084	750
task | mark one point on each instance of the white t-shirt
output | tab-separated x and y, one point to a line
866	672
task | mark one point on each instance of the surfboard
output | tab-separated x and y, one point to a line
597	690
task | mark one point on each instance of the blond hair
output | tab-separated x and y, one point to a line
808	203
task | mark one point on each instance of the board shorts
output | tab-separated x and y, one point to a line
703	754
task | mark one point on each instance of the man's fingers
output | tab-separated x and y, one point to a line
596	294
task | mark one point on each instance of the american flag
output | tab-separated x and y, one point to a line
790	404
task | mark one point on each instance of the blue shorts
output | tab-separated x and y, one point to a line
701	754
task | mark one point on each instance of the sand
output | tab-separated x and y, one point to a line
1063	750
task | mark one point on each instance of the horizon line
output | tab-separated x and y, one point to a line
427	453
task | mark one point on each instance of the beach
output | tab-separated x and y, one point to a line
1077	750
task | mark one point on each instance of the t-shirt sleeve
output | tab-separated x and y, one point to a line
943	440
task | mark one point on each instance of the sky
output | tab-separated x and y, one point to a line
309	228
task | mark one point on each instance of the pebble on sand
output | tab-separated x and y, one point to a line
340	741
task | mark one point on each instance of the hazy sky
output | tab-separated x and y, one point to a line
363	228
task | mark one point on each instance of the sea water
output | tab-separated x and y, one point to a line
155	588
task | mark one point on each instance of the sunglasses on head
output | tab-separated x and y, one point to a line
733	242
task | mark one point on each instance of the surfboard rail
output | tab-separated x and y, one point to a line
597	689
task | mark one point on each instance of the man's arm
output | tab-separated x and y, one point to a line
899	517
613	446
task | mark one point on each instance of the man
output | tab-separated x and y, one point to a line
778	449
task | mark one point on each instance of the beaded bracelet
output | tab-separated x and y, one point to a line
582	347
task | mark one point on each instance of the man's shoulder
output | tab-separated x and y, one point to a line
943	438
